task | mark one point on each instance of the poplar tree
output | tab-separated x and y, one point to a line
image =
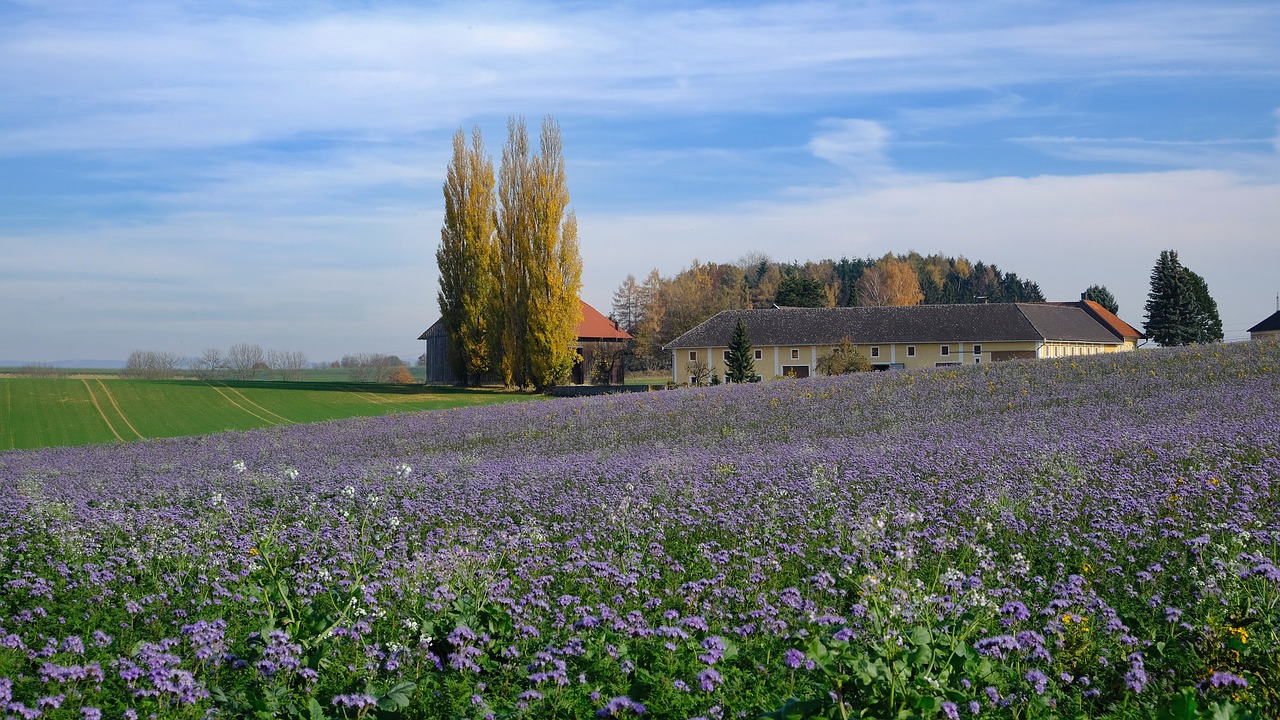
539	267
555	272
514	250
466	257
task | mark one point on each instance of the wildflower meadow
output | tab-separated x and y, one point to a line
1088	537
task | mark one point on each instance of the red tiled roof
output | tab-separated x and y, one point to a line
597	326
1112	321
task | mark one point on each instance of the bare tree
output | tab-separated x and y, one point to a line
210	364
290	363
151	365
244	360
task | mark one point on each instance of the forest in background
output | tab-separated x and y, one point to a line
658	309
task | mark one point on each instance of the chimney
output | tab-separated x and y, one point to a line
1084	296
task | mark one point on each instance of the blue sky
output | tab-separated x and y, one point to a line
179	176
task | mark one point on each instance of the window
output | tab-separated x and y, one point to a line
795	354
977	361
726	356
693	356
875	351
911	351
945	351
759	354
977	349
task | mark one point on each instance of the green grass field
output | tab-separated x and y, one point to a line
47	412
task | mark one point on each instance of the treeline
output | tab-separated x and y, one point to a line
248	361
659	309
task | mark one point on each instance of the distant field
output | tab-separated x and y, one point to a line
51	412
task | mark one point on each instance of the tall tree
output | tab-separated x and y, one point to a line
515	250
1101	295
541	264
889	282
628	305
1171	303
797	290
466	257
740	366
1205	321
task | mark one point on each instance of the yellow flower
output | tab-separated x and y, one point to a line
253	551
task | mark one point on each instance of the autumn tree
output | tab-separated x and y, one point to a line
843	359
466	257
555	271
889	282
539	266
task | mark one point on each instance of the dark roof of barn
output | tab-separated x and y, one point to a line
1001	322
1271	324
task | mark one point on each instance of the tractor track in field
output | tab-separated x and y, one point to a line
232	400
102	413
260	407
367	396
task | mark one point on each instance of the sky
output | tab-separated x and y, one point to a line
176	176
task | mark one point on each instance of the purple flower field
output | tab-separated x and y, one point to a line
1089	537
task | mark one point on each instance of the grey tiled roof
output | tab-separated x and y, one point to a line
1002	322
1269	325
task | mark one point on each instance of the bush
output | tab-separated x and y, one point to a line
842	360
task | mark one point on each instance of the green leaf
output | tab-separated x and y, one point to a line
795	709
397	696
1183	706
921	636
314	711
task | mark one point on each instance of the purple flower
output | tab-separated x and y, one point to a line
1222	679
794	658
621	706
1038	680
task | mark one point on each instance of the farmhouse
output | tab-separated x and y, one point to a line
789	341
598	336
1267	329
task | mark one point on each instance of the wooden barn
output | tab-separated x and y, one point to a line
598	336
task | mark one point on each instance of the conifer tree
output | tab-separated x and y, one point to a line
1101	295
740	367
466	255
1206	321
1171	304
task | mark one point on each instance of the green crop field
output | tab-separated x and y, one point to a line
47	412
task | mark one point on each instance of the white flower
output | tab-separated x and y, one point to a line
291	473
238	466
216	500
395	522
348	492
403	470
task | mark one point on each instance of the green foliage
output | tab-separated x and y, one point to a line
1101	295
602	369
843	359
798	290
1180	310
740	367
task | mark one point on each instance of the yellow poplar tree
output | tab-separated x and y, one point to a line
539	266
555	267
466	256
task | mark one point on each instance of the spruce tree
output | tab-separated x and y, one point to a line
740	367
1171	304
1101	295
